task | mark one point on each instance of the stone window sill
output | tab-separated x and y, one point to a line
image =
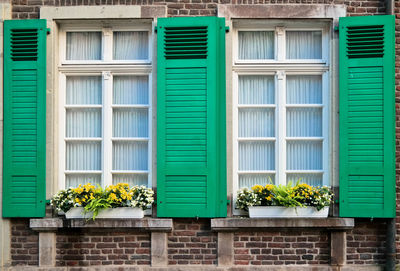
148	224
234	224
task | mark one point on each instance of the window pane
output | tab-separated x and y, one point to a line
311	179
74	180
83	156
256	155
303	122
256	89
257	122
83	122
131	90
303	44
129	45
249	180
304	89
83	46
304	155
131	179
256	44
130	155
130	123
84	90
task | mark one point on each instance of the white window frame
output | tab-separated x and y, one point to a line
107	68
280	67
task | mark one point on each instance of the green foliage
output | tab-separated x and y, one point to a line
96	205
300	195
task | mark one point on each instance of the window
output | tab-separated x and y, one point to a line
105	97
281	102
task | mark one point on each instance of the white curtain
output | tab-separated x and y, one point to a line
83	123
256	89
83	46
130	156
303	121
257	155
303	89
130	121
74	180
303	44
254	122
249	180
130	45
256	44
131	90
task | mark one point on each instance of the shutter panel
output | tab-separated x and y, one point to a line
191	148
24	161
367	117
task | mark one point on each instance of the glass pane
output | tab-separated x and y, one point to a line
74	180
304	89
303	155
130	156
131	179
83	156
130	122
83	46
256	122
129	45
256	44
256	155
83	122
131	90
303	122
250	180
311	179
84	90
256	89
303	44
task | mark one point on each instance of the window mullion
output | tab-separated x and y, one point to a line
280	43
281	123
107	44
107	128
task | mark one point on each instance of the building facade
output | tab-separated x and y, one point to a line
266	106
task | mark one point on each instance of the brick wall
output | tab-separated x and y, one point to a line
366	242
282	247
83	248
24	243
192	242
24	9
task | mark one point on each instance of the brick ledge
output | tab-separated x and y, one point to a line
231	224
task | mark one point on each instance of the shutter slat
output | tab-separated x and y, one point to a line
24	160
367	113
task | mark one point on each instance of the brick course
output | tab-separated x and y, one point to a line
192	242
281	247
24	243
101	247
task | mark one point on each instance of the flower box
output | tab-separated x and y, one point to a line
287	212
120	212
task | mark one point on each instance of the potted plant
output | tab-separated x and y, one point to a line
115	201
301	200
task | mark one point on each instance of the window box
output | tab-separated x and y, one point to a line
119	212
287	212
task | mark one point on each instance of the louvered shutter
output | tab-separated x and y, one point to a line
367	117
191	148
24	161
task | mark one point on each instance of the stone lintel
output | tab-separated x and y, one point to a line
46	224
150	224
231	224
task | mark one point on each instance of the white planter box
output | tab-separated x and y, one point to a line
120	212
287	212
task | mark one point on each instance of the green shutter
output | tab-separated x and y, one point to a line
191	148
24	160
367	117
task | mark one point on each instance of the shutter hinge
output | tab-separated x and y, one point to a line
226	29
48	31
228	202
155	29
336	28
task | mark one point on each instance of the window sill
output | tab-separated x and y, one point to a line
234	224
148	224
